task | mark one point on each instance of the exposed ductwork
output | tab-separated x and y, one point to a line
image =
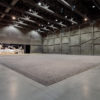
49	15
97	3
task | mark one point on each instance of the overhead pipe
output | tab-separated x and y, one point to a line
28	13
65	3
96	3
32	3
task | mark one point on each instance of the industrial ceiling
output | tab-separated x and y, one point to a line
47	15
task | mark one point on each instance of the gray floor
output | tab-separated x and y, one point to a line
83	86
14	86
49	69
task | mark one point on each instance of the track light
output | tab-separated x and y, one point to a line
30	10
93	6
13	18
48	23
42	25
66	16
39	4
56	20
86	19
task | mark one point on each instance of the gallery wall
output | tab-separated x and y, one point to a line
80	40
12	35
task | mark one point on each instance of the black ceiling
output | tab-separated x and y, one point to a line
55	15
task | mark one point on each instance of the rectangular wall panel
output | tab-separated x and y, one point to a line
57	41
84	41
45	49
36	49
75	40
75	32
50	41
96	35
45	42
75	50
86	49
86	30
65	48
97	49
65	40
51	49
86	37
57	49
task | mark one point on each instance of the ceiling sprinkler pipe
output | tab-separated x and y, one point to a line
97	4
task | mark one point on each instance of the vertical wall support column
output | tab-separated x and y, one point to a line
47	43
42	45
80	39
61	42
69	36
92	38
54	41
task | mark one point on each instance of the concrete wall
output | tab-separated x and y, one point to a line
82	40
12	35
36	49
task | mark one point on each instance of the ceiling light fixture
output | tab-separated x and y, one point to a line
93	6
56	20
30	10
39	3
66	16
86	19
13	18
48	22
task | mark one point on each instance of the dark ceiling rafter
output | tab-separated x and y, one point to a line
54	14
25	22
7	22
33	24
10	6
32	3
13	3
8	14
27	26
97	3
14	22
29	14
47	20
70	7
18	17
2	23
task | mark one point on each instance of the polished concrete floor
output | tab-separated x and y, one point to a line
83	86
49	69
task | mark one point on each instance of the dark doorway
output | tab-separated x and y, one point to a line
27	49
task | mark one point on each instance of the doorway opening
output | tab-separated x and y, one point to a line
27	48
